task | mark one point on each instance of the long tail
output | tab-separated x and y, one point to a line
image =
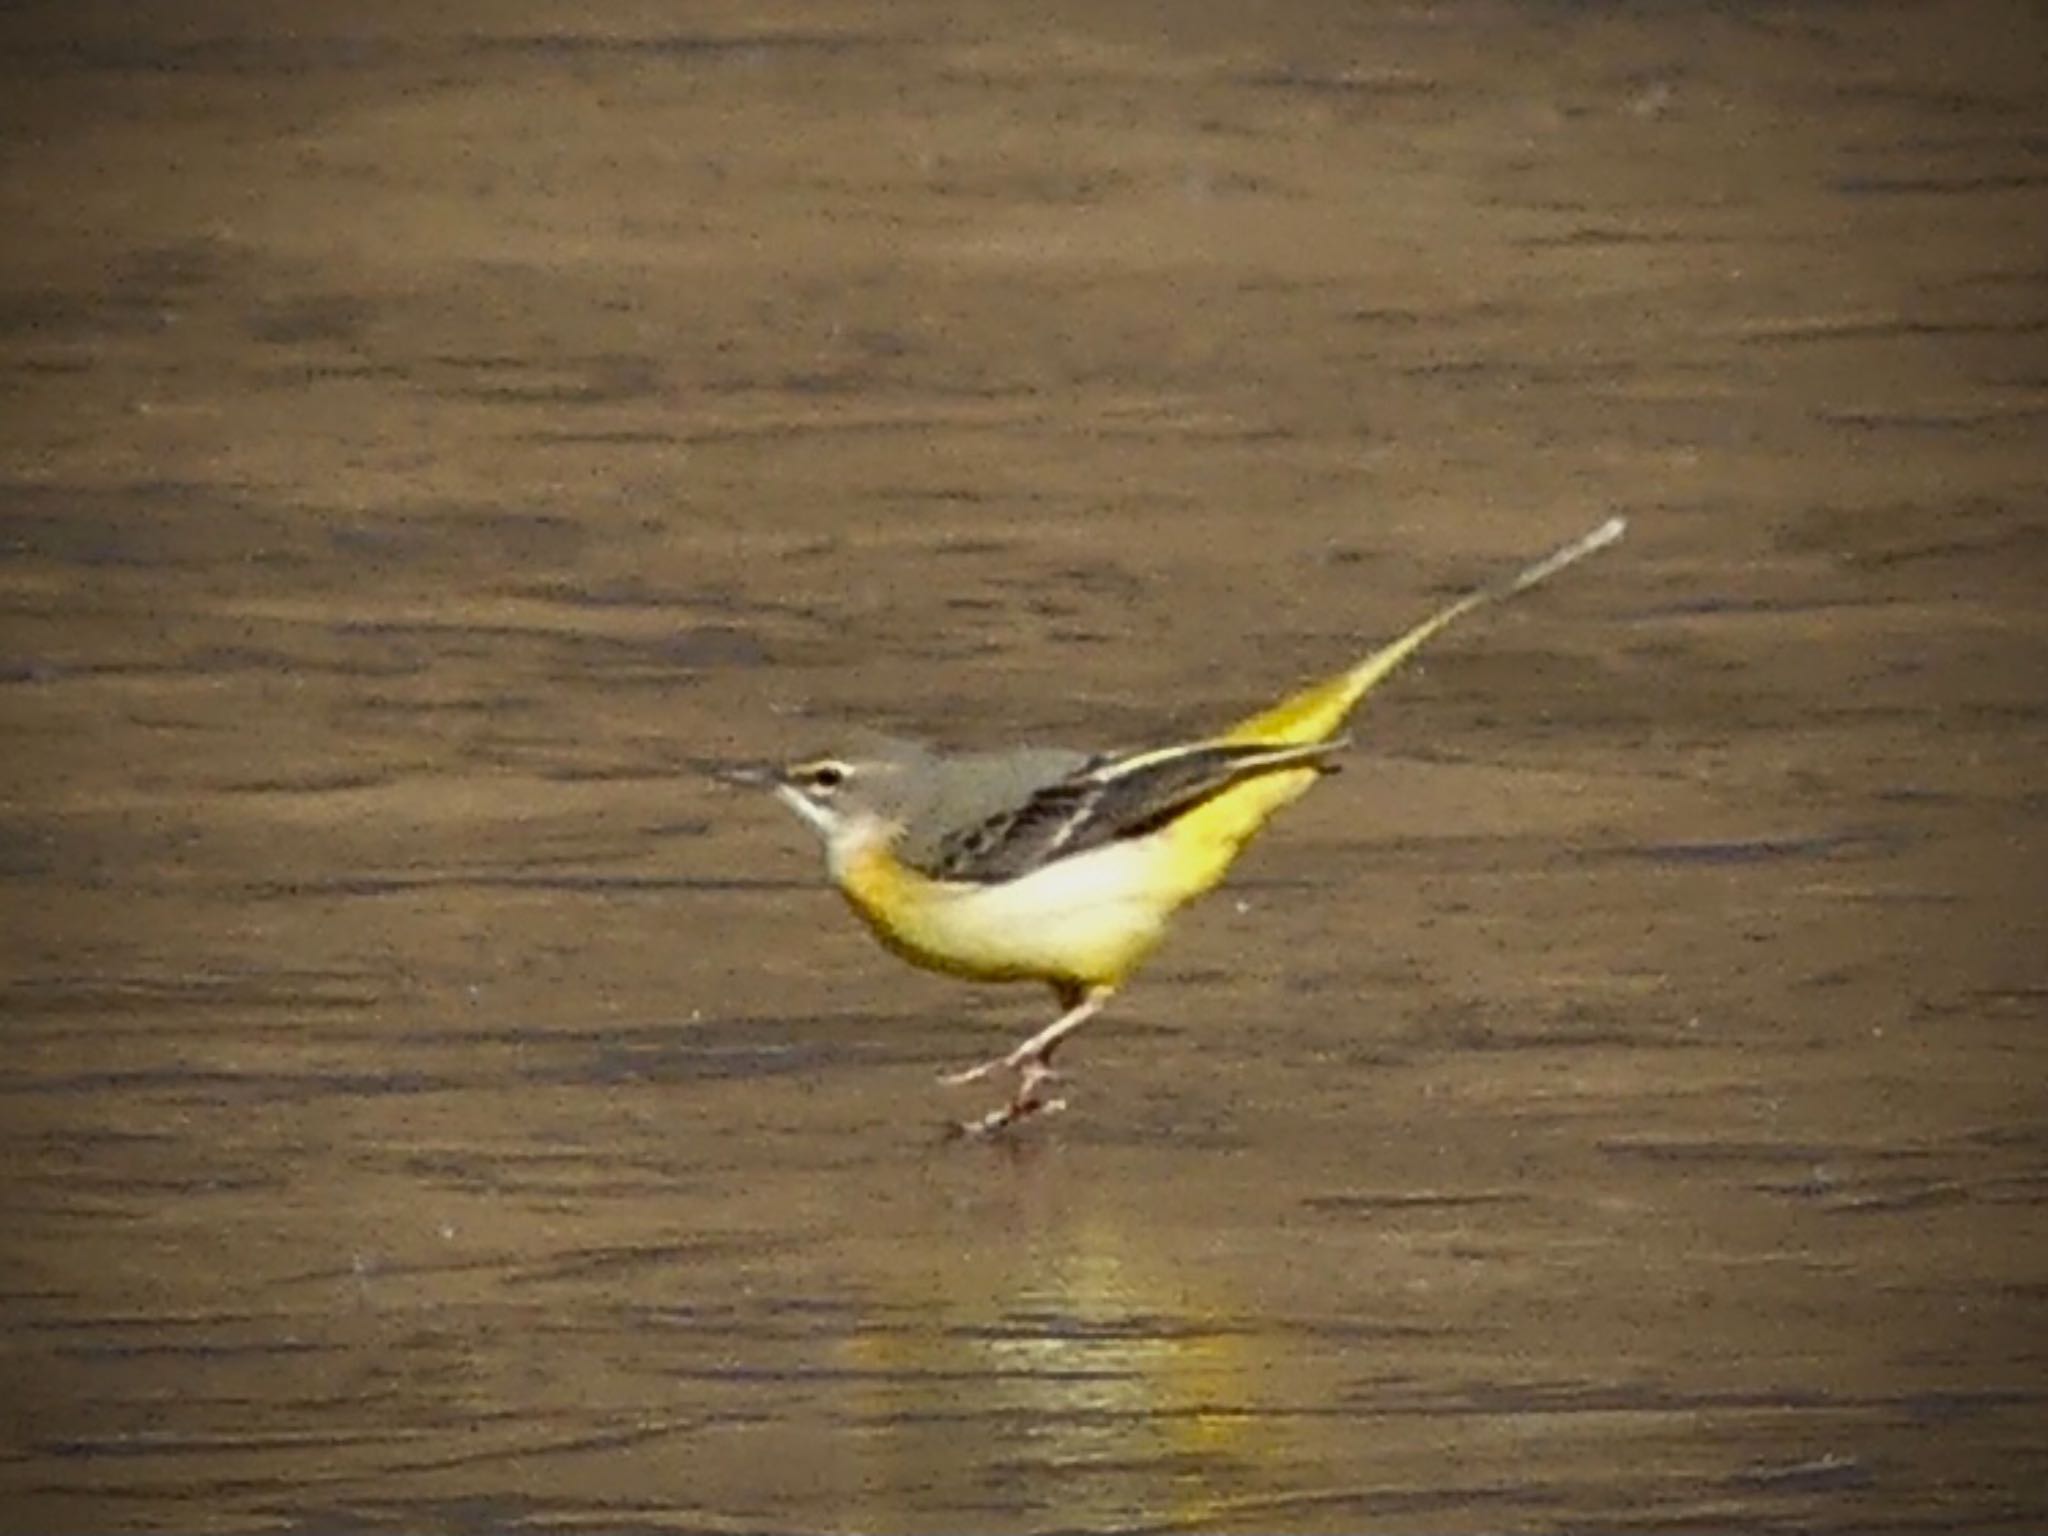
1318	710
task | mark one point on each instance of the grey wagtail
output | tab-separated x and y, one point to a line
1062	867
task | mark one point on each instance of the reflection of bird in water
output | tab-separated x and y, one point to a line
1053	866
1116	1380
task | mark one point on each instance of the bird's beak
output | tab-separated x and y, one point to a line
772	777
749	775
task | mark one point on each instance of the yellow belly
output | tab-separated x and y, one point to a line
1084	921
1087	920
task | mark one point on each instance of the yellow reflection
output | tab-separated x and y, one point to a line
1067	1366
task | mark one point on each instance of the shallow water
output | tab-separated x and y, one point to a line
433	1102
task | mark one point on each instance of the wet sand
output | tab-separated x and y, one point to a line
432	1103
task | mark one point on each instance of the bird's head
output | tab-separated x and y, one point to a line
852	800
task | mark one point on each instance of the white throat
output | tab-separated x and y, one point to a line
845	834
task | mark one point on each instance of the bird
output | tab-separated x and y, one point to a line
1050	865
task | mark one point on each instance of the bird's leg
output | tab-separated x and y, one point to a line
1033	1056
1032	1062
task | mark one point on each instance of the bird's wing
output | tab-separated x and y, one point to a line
959	791
1107	799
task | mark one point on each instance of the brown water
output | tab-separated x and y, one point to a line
431	1103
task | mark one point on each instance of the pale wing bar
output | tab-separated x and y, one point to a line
1111	799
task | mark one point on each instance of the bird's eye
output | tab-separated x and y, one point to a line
827	776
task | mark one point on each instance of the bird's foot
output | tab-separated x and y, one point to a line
996	1121
1033	1073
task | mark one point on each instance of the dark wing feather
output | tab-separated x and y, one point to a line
1107	800
1017	840
962	792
